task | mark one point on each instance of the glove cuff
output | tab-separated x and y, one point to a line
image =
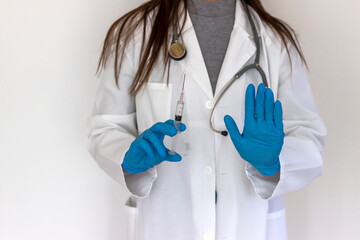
129	169
269	170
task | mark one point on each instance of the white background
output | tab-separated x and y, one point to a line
51	188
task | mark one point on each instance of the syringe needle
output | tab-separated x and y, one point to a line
183	82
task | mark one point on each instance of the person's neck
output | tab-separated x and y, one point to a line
211	7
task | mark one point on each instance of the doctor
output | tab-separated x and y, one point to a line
215	187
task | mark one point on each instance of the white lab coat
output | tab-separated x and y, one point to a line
176	200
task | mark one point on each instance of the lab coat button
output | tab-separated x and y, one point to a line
208	236
207	169
208	104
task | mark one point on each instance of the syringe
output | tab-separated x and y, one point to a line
178	116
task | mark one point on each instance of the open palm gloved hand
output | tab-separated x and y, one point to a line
148	149
263	136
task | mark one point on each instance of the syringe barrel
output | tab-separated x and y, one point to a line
179	110
175	138
177	123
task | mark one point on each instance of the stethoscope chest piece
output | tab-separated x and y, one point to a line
177	51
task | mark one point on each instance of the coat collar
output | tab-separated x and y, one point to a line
240	49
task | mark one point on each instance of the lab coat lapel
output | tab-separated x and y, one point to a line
194	64
239	51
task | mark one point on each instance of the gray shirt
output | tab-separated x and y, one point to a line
213	22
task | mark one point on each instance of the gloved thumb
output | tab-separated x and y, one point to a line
232	129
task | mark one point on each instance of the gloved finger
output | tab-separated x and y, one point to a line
164	128
269	105
156	142
173	158
171	122
278	116
182	127
145	145
259	104
232	128
250	103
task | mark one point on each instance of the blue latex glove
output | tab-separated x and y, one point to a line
148	149
263	136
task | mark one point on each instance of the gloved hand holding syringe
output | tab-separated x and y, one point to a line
178	116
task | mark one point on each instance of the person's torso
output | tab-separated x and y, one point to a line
181	204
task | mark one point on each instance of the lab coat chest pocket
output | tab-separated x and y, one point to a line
153	104
276	226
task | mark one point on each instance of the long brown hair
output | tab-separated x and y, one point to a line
164	16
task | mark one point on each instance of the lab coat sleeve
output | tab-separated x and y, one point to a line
301	157
112	127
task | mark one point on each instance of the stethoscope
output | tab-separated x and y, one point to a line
177	51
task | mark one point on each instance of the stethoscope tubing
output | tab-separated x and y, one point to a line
255	66
228	85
